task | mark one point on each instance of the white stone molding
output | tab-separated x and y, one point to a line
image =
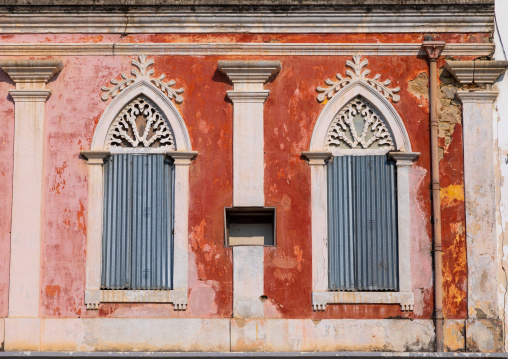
356	88
157	133
143	97
321	299
478	72
248	97
238	49
204	20
143	72
318	157
30	98
342	133
358	73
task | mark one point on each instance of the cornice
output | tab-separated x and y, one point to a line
30	95
248	96
182	158
273	3
32	71
245	71
317	158
479	72
478	96
404	158
313	19
238	49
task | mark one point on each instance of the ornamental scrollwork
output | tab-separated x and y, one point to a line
356	72
358	126
143	72
141	125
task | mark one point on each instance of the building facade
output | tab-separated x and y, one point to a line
219	176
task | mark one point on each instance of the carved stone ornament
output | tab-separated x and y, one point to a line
141	125
358	126
144	73
355	73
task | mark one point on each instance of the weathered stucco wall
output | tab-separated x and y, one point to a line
6	161
290	114
500	126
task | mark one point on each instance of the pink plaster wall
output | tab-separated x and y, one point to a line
6	162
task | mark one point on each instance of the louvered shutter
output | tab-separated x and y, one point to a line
138	222
362	217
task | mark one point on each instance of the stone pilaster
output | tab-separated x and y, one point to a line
248	97
484	326
22	327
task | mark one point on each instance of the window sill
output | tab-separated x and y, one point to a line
176	296
321	299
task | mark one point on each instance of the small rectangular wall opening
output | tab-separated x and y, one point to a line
249	226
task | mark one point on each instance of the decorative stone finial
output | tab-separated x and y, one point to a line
357	74
144	73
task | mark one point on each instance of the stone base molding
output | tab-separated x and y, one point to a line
218	335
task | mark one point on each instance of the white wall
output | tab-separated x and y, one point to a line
500	126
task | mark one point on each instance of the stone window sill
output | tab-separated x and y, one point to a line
321	299
176	296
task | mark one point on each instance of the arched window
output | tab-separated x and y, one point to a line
137	236
138	194
362	211
360	156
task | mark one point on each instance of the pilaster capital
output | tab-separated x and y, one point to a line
248	96
433	49
95	157
404	158
32	72
35	95
317	158
182	158
249	75
478	72
479	96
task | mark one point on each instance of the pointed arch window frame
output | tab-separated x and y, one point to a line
318	157
181	157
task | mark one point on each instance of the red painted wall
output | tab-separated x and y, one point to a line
290	114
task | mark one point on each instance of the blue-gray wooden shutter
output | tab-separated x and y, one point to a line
363	231
341	263
138	222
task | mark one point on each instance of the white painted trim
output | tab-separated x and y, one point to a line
341	98
479	72
131	92
321	299
176	296
321	296
205	19
182	160
237	49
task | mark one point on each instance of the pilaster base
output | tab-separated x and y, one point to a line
22	334
484	335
